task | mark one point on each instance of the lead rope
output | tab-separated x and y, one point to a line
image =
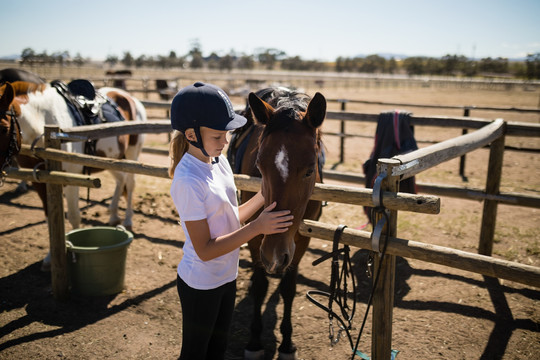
377	197
379	209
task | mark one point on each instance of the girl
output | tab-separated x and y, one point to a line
204	194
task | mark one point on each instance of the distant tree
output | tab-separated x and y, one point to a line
28	56
226	62
449	64
128	59
79	60
175	61
112	60
391	66
433	66
414	65
269	57
496	66
141	61
518	69
372	64
470	68
293	63
163	61
195	55
246	62
340	65
59	57
212	61
533	66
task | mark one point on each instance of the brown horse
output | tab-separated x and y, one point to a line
284	148
10	130
36	105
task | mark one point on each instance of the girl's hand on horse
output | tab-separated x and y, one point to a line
273	222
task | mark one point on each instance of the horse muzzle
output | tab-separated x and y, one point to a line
277	252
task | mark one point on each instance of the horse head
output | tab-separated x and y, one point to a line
10	133
288	155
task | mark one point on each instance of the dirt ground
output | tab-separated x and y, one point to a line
439	312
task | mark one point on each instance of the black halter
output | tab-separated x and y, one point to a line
13	146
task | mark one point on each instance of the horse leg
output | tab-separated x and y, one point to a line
287	289
73	211
132	153
259	287
130	187
120	178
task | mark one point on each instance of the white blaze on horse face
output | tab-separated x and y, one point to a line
282	163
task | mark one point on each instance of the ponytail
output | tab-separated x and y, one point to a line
178	147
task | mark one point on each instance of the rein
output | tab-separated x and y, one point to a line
13	147
339	280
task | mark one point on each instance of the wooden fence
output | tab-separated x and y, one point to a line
465	122
394	170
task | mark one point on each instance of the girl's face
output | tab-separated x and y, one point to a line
214	141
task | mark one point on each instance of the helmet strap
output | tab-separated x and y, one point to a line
199	144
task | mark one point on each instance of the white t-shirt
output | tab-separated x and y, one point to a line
206	191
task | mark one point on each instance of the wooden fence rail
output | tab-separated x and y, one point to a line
416	161
426	204
460	192
457	259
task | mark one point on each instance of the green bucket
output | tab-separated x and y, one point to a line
97	259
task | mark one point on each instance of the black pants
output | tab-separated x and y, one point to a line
206	318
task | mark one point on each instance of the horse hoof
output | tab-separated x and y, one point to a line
287	356
46	263
254	355
22	188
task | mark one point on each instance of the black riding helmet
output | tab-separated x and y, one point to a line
206	105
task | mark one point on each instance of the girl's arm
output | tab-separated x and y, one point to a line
268	222
250	207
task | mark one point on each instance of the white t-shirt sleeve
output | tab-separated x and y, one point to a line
188	197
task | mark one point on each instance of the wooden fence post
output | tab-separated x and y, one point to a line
466	113
55	215
493	182
383	296
342	135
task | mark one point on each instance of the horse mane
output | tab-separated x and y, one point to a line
25	87
277	97
292	105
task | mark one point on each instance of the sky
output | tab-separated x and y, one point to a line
312	29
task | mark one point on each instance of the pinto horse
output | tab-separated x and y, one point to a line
35	105
284	148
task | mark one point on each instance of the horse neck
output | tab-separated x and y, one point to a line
42	108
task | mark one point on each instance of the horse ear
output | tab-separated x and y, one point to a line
316	111
261	109
7	96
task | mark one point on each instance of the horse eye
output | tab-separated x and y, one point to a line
309	172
